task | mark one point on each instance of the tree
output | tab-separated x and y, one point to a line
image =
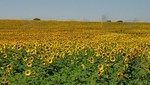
119	21
38	19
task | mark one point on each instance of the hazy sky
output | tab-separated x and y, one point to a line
126	10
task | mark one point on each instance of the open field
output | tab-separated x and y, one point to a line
73	52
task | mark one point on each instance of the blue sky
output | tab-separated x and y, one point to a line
90	10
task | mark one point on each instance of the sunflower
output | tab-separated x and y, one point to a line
2	68
5	55
7	71
126	66
7	83
104	55
50	60
128	56
105	59
44	62
46	56
123	54
69	52
27	50
83	66
19	48
108	54
40	57
4	80
107	66
91	59
100	67
99	73
58	56
25	59
31	58
119	75
34	51
147	68
33	72
85	52
29	64
9	66
100	53
97	54
126	60
63	55
112	52
27	72
112	59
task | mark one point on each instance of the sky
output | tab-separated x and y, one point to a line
85	10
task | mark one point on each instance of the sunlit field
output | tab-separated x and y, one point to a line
74	53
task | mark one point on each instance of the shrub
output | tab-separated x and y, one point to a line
36	19
119	21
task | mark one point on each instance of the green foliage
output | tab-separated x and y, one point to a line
119	21
37	19
62	71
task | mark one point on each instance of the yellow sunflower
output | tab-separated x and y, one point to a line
7	71
33	72
107	66
100	66
100	72
119	75
29	64
25	59
112	59
31	58
5	55
91	59
126	60
7	83
123	54
40	57
44	62
4	80
126	66
27	72
50	60
83	66
9	66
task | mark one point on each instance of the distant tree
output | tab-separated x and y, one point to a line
37	19
119	21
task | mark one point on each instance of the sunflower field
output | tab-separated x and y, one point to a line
74	53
